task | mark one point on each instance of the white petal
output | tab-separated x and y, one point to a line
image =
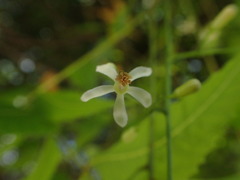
108	69
140	72
140	95
119	111
96	92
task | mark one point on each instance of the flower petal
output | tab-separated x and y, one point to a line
108	69
95	92
140	95
140	72
119	111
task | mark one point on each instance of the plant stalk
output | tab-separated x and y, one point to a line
153	51
168	84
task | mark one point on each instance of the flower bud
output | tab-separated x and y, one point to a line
189	87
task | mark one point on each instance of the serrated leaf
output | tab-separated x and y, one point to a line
124	159
199	122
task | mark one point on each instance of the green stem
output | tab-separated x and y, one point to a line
151	148
153	51
108	43
168	84
95	53
199	53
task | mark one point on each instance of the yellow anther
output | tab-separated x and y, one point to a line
123	78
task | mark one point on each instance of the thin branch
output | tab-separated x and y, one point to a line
93	54
201	53
153	51
168	84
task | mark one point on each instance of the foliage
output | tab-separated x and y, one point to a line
48	55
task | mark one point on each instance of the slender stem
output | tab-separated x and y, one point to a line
168	84
102	47
153	51
199	53
151	148
96	52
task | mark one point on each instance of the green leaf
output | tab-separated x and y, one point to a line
24	121
130	154
231	177
143	175
30	119
66	105
79	77
40	116
199	122
89	128
47	163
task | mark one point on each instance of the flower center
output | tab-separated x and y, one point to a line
123	78
122	82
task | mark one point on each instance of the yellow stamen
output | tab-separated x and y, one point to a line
123	78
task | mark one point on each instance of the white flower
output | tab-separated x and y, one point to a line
121	87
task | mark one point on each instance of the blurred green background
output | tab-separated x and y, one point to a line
48	54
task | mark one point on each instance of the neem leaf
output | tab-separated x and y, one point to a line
199	122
